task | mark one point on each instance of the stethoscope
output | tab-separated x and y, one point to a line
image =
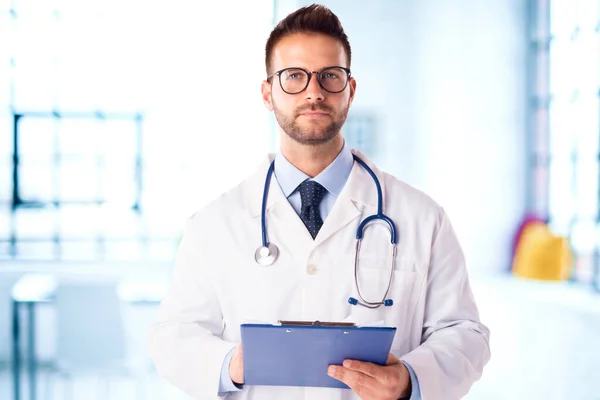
268	253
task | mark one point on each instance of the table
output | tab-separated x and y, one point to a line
36	288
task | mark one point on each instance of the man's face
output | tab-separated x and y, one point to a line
313	116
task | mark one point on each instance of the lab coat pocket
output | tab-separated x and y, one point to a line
404	291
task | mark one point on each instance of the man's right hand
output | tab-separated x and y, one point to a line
236	366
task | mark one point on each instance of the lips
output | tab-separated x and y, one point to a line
314	114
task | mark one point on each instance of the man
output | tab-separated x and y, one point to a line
314	205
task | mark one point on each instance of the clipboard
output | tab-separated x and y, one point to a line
297	353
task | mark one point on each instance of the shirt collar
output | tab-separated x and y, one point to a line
333	178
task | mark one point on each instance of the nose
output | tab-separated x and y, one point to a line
314	91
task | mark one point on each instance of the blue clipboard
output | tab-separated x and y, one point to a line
299	355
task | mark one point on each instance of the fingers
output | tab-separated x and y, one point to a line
360	383
236	366
367	368
373	381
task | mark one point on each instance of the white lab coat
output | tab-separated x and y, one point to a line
217	286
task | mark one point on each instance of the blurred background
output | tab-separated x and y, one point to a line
118	119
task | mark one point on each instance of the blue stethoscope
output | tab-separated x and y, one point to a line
268	253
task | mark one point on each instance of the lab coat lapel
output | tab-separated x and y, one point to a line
284	226
358	192
343	212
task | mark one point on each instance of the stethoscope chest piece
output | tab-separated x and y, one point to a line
266	255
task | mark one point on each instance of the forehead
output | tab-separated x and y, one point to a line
312	51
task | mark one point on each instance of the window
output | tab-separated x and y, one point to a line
360	132
115	122
565	128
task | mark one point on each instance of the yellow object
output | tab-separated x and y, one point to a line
542	255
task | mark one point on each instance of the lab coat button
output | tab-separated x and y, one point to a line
311	269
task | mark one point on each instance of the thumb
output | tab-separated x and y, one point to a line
392	359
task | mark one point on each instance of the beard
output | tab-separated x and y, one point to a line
313	133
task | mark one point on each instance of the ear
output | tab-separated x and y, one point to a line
352	84
266	95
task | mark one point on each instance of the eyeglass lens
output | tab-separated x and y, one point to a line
296	80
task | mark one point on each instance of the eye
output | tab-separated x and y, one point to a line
329	75
294	75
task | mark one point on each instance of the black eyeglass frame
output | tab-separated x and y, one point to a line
310	74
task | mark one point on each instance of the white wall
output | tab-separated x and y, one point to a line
472	67
448	80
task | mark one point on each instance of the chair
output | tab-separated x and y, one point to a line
91	336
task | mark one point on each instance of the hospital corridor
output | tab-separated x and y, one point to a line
136	251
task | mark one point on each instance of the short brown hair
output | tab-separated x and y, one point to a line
310	19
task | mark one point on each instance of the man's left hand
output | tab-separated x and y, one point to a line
374	382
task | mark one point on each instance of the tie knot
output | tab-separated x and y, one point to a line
311	193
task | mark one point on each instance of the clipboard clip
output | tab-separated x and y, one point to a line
317	323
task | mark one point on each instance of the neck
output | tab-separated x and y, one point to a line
311	160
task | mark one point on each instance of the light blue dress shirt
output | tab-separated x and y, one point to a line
333	178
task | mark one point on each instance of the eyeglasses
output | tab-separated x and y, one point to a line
296	80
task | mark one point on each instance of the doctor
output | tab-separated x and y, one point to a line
293	256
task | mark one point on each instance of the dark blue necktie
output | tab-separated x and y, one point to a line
311	194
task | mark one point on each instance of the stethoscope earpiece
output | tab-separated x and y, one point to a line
387	303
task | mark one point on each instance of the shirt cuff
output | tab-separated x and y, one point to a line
416	390
226	384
